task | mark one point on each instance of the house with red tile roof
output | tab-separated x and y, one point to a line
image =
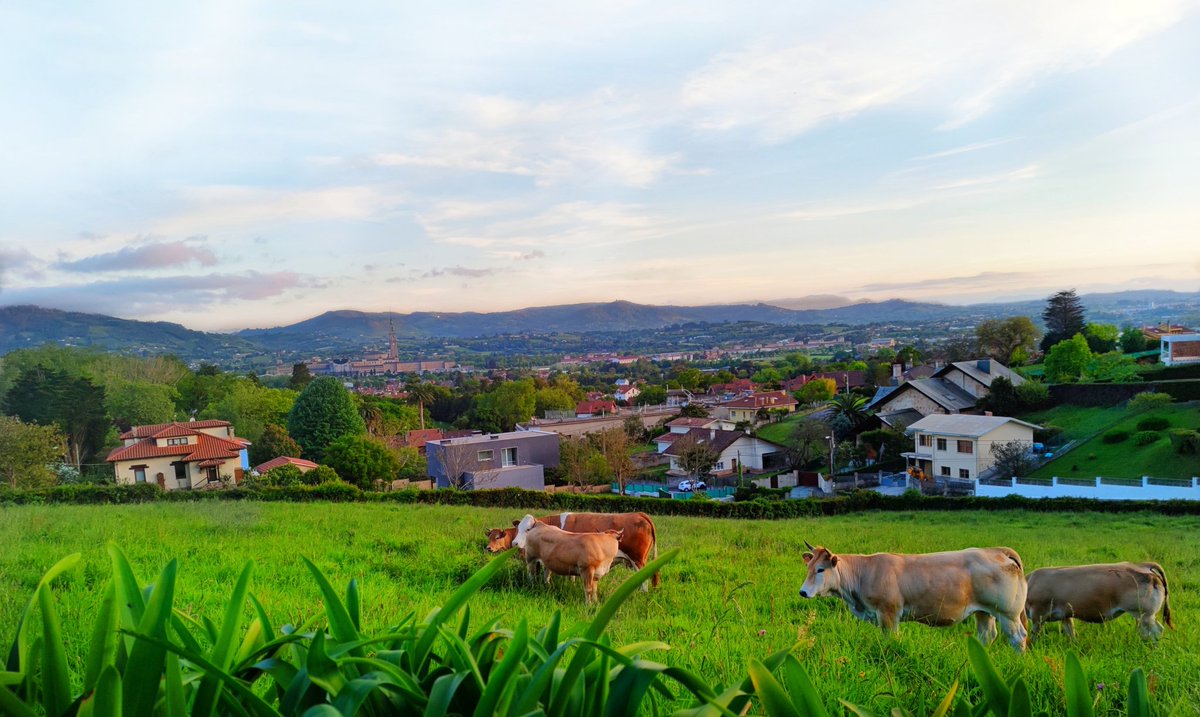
180	455
588	409
626	393
737	387
303	465
746	408
735	450
845	380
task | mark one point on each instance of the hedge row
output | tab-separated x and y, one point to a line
516	499
1110	394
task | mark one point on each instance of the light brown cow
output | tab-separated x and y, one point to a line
1099	593
588	555
933	588
639	542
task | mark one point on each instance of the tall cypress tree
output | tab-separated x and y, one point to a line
1063	316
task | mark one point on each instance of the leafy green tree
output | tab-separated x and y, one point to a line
1111	367
651	396
798	363
692	410
613	445
512	402
251	408
807	443
273	443
361	460
687	376
1101	338
412	464
694	457
1067	360
1008	339
635	428
140	403
552	399
301	377
371	414
323	413
284	475
1132	340
1002	398
581	463
1063	317
28	453
74	404
1033	395
767	377
818	390
320	475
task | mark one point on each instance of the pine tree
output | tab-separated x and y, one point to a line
1063	316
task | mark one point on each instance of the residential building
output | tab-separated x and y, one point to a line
960	446
493	460
1179	349
680	427
626	393
954	388
735	450
733	389
679	397
181	455
303	465
418	437
845	380
590	409
746	408
1155	333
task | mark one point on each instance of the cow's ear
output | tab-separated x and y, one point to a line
807	557
833	561
516	523
488	531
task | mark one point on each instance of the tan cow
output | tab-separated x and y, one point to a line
1099	593
588	555
639	542
933	588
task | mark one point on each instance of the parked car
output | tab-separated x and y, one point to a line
687	486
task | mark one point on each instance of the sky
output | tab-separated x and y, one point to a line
231	164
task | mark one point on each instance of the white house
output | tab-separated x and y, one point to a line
680	427
960	446
1179	349
734	448
180	455
626	393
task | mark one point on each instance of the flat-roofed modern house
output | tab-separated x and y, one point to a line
1179	349
493	460
960	446
177	456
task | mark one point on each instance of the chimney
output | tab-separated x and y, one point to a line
984	365
897	371
712	434
987	413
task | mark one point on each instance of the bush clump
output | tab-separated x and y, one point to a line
1145	438
1148	400
1154	423
1045	433
1115	436
1185	441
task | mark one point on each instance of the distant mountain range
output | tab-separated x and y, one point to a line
22	326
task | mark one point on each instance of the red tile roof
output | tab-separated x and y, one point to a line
147	431
741	384
596	407
771	399
668	438
690	422
285	461
206	446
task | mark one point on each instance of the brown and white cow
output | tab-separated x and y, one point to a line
588	555
936	589
1099	593
638	540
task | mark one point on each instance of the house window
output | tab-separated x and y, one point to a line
720	465
941	445
139	474
484	456
923	440
177	441
946	471
508	456
964	473
966	447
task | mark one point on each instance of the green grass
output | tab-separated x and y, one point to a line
1118	460
732	594
781	432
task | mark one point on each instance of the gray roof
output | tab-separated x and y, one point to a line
984	371
963	425
901	419
942	392
880	393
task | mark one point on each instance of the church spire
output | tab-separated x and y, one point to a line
393	351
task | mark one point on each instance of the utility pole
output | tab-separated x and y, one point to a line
832	480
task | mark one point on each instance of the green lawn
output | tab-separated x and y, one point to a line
781	432
731	595
1120	460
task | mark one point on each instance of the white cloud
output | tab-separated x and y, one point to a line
211	207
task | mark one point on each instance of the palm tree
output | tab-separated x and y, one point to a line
421	394
372	415
847	405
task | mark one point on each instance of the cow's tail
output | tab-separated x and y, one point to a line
653	547
1015	557
1166	606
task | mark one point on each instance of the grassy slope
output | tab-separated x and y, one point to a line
781	432
1119	460
733	580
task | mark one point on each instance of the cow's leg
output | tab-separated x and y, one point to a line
1068	627
985	627
1016	633
1036	620
889	619
1148	627
589	585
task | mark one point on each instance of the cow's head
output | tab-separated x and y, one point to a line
523	525
500	539
823	577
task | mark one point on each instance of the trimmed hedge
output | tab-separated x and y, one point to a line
536	501
1116	436
1111	394
1145	438
1153	423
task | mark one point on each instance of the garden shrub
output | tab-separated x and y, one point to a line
320	475
1185	441
1148	400
1046	433
1145	438
1115	436
1154	423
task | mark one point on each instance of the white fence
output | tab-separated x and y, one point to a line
1144	488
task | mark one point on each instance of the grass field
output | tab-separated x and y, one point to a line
732	594
781	432
1118	460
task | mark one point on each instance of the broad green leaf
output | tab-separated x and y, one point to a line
222	653
20	646
322	670
358	690
106	700
947	701
804	693
56	680
628	690
770	693
323	711
1079	699
175	703
146	659
1020	705
103	649
353	606
10	705
460	596
340	624
499	678
1137	703
442	695
995	691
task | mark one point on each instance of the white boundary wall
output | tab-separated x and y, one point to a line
1102	488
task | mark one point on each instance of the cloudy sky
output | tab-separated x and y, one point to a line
232	164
